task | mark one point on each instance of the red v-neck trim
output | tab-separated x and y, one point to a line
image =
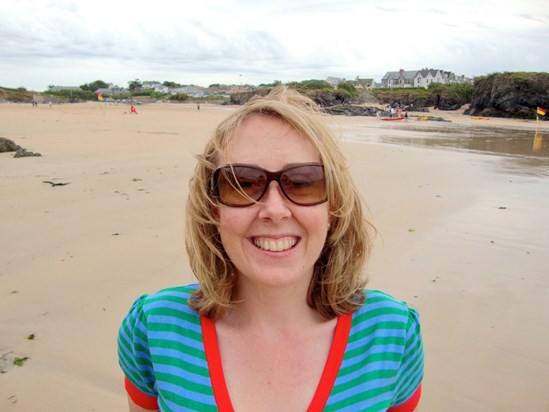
213	357
333	363
327	380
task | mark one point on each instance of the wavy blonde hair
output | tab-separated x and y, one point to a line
338	281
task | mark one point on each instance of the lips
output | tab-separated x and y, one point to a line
275	245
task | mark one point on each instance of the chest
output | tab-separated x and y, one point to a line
273	376
343	369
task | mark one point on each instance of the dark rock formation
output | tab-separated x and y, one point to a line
403	98
410	100
22	152
449	104
244	96
513	95
351	110
7	145
413	108
328	98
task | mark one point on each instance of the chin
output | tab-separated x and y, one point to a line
280	279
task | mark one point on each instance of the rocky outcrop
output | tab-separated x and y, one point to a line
7	145
403	98
244	96
22	152
351	110
328	98
512	95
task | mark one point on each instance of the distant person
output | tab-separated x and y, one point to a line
198	106
280	318
133	109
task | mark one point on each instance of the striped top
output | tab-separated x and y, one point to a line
170	358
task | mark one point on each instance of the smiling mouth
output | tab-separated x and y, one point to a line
275	245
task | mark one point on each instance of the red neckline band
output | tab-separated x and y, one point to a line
327	380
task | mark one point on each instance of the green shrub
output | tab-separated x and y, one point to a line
348	87
179	97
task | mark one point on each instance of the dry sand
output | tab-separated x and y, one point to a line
463	238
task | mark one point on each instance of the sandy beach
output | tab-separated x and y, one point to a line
461	208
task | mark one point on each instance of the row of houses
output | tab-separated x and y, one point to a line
421	78
405	78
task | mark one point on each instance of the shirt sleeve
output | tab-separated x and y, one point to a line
410	375
134	355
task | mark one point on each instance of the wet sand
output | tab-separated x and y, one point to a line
462	239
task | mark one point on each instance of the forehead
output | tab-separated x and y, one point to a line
269	142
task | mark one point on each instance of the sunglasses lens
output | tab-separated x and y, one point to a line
304	185
238	184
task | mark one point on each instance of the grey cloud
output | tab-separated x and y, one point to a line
536	17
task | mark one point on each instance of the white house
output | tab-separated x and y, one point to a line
364	83
156	86
420	78
402	78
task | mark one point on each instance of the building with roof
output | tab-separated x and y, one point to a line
420	78
365	84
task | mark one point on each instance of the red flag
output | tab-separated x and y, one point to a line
541	111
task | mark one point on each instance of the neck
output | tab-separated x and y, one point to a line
272	308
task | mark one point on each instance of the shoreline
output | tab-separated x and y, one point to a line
455	116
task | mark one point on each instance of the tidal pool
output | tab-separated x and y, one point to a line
523	151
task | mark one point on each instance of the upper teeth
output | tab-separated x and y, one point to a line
275	245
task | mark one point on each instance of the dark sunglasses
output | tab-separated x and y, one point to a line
240	185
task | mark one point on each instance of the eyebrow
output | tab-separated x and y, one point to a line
261	167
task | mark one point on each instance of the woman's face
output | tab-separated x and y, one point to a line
273	243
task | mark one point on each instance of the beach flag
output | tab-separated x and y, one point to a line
100	97
541	111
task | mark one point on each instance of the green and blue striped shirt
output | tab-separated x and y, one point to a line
169	355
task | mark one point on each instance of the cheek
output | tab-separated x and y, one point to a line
232	221
324	216
317	224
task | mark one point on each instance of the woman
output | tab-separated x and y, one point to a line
280	319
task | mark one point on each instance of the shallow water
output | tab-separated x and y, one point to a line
523	151
479	274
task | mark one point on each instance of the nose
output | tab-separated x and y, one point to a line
274	205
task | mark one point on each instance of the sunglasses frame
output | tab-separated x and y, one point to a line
276	176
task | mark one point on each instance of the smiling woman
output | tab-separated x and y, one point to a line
280	318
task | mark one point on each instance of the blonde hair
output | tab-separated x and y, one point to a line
338	282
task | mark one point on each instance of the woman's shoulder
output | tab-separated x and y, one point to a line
377	298
166	301
380	307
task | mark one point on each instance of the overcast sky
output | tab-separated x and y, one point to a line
69	42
